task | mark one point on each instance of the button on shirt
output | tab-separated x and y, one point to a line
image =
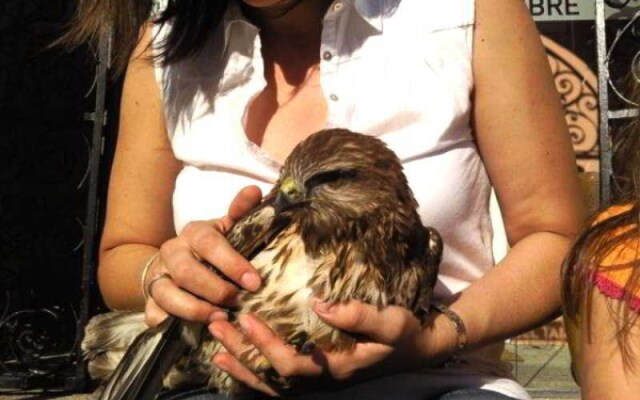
400	70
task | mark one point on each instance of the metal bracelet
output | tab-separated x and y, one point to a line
458	324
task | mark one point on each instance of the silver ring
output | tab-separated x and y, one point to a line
155	279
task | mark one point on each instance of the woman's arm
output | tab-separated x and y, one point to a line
524	142
139	213
603	373
139	220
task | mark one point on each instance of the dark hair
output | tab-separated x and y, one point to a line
191	23
606	235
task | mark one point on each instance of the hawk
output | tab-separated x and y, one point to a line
340	224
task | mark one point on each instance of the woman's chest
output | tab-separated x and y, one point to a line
411	90
283	114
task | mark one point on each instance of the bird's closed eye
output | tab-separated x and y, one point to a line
329	176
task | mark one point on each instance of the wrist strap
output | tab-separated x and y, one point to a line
458	324
145	272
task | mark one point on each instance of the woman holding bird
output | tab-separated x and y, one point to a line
218	93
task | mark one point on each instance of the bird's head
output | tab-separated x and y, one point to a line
348	172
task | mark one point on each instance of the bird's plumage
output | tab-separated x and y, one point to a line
340	224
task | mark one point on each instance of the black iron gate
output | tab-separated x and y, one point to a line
618	44
51	137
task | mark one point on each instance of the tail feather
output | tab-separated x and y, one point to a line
113	330
139	376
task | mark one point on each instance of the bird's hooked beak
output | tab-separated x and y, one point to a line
290	194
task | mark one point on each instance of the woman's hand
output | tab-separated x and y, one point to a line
194	292
398	341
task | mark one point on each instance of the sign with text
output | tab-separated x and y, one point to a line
575	10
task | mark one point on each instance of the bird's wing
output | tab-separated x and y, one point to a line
150	357
252	233
430	264
381	274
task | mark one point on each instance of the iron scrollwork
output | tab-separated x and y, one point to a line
47	152
618	46
625	47
576	84
36	342
617	3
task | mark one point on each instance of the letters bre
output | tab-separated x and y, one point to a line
550	8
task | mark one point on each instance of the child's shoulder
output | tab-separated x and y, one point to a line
611	212
614	276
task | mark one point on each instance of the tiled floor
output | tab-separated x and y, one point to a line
543	369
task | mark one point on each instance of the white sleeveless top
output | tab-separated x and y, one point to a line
400	70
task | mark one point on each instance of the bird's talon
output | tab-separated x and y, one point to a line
307	348
262	366
299	340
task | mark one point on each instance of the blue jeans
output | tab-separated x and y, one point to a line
462	394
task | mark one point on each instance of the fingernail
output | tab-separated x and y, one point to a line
219	364
218	316
323	307
250	281
245	323
216	332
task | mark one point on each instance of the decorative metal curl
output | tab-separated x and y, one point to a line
630	28
574	82
617	3
30	337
